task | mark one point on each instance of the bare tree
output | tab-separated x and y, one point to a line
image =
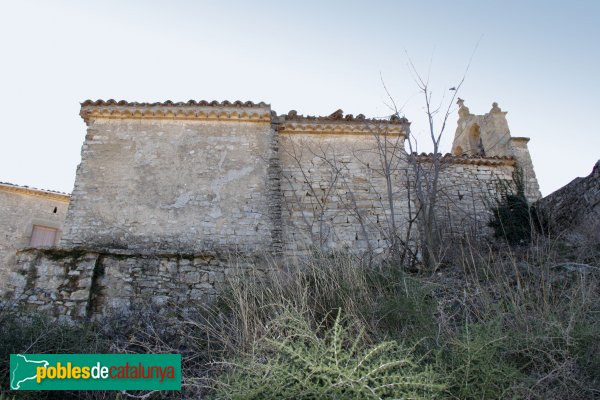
318	191
406	176
391	166
425	180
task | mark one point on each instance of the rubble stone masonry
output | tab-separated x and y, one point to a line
21	208
168	196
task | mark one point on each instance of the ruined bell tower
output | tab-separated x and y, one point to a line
488	135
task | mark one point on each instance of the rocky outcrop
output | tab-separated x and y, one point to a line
574	210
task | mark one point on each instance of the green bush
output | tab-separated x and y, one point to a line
476	365
403	308
295	363
513	218
500	324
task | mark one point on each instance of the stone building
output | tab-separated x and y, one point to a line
167	192
28	218
488	135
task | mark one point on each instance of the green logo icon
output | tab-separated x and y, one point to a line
95	372
24	370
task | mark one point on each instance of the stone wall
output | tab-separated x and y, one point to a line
20	209
190	177
189	183
54	281
79	283
335	192
520	152
469	188
164	190
572	213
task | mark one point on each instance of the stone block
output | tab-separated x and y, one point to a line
80	295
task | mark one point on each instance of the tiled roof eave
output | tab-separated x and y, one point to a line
371	129
470	160
173	114
59	196
169	103
234	111
192	110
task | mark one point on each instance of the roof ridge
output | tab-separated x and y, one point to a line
11	187
189	103
338	116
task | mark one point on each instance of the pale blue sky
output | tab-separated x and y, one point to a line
538	59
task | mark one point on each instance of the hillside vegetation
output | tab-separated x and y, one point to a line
496	322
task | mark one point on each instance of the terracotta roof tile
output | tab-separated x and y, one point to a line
191	110
467	159
35	191
202	103
339	116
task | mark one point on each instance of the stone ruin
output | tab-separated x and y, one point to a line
171	198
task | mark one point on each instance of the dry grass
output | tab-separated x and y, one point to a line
499	322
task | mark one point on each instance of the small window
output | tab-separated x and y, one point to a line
42	236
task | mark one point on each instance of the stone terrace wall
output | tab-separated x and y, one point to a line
184	183
78	284
53	281
20	209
